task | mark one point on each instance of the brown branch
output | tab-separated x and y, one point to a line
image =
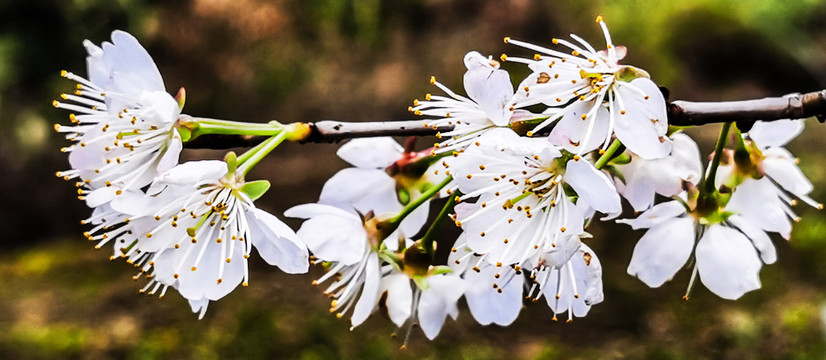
798	106
680	113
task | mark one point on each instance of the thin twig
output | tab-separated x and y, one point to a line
680	113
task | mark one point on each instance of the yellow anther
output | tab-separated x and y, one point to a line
55	103
427	97
507	39
599	18
555	41
64	73
537	57
433	80
503	57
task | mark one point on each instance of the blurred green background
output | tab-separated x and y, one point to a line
367	60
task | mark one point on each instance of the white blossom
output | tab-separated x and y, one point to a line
522	207
194	230
122	121
665	176
729	254
593	97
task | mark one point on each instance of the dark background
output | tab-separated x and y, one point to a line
367	60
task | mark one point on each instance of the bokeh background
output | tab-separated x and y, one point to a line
367	60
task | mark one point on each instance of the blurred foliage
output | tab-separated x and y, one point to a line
367	60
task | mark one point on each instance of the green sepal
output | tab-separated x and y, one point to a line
404	196
255	189
185	133
421	282
439	270
391	259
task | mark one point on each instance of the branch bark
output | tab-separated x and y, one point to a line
680	113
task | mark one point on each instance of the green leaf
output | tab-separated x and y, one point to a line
254	189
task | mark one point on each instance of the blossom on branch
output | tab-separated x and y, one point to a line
524	189
592	97
122	122
194	230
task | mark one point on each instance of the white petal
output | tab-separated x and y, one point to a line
100	196
757	202
193	172
172	154
399	297
656	215
132	69
662	251
363	189
727	262
335	238
593	186
643	127
489	87
306	211
775	133
759	238
369	293
371	153
277	243
487	305
571	130
438	301
780	166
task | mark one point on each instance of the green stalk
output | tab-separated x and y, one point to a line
708	185
254	155
226	127
409	208
429	237
608	154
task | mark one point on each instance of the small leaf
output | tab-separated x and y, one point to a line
254	189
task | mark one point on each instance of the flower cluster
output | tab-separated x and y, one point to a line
521	172
189	226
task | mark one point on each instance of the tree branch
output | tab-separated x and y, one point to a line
680	113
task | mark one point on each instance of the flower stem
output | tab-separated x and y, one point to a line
205	126
608	154
708	185
409	208
429	238
249	159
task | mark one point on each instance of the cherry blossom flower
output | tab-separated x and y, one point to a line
339	237
194	230
369	186
766	159
666	176
489	103
522	205
122	121
408	303
593	97
570	277
729	253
